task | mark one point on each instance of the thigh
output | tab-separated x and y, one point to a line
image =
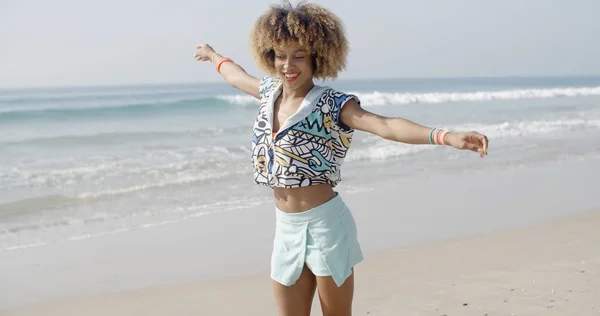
296	300
336	300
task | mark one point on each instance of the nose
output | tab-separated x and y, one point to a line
287	63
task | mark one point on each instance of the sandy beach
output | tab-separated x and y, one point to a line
552	268
517	248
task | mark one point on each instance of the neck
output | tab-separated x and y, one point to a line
297	92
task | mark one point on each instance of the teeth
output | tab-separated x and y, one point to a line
291	75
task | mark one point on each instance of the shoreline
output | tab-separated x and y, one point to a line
548	268
226	247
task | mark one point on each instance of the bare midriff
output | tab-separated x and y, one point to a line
302	199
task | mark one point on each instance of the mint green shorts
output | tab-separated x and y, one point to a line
325	238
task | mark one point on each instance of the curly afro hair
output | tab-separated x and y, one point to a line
309	25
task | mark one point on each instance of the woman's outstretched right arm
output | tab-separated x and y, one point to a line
233	73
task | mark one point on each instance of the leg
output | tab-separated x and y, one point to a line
336	301
296	300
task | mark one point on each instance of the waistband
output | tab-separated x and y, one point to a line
335	203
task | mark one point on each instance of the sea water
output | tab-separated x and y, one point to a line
88	161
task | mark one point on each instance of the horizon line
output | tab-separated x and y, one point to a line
214	82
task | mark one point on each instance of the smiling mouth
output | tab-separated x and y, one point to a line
289	77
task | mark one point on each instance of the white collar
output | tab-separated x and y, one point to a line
309	103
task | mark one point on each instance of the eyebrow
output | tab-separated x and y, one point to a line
296	51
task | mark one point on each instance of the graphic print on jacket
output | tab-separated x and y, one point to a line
310	146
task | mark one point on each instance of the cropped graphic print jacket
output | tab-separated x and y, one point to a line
310	146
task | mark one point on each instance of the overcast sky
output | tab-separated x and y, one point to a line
86	42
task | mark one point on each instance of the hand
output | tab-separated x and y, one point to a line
204	52
468	141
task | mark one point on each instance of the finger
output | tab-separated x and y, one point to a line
199	46
472	147
473	137
485	142
484	145
481	141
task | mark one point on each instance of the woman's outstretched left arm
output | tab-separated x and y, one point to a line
405	131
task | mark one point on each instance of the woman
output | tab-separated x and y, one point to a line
300	138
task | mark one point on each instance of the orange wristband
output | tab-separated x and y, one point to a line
441	136
221	61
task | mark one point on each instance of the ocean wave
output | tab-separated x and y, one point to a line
239	99
88	177
106	93
50	202
168	167
386	98
32	205
384	150
119	109
374	148
177	104
120	137
377	98
531	128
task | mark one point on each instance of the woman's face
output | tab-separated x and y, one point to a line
294	65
